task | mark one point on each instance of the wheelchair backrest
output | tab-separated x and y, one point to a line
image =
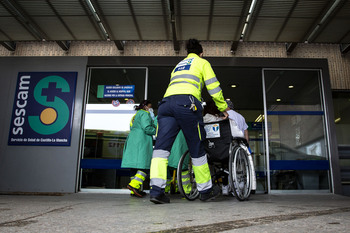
218	140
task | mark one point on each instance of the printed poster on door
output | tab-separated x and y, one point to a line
115	91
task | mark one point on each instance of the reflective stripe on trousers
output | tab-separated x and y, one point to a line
201	171
159	164
186	183
203	177
138	179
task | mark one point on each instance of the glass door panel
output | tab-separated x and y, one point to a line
257	145
113	93
298	154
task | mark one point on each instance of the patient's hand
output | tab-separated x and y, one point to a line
225	115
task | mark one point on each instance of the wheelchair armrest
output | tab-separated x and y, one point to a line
241	140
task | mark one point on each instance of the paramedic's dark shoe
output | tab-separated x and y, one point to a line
214	192
161	199
143	193
137	192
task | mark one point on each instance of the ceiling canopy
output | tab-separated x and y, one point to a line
287	21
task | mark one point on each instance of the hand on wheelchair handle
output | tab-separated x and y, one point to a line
225	115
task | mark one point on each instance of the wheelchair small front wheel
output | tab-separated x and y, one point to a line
185	178
239	173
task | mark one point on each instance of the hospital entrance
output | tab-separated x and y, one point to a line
284	109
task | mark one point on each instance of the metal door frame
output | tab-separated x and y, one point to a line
86	97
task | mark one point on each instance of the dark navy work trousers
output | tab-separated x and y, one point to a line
174	113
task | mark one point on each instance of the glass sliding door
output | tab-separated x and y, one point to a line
112	95
296	130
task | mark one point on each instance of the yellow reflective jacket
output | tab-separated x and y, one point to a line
189	76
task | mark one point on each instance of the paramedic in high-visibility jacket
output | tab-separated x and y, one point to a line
181	109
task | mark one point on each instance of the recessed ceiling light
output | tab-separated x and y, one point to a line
233	85
278	100
290	86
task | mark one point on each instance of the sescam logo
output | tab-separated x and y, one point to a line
42	111
55	116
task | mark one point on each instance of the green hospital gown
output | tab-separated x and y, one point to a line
138	146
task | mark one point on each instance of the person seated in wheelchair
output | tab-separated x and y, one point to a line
239	127
217	146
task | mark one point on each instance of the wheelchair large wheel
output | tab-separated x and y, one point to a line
185	178
239	169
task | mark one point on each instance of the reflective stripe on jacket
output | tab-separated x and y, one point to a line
190	75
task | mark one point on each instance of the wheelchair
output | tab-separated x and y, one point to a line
229	160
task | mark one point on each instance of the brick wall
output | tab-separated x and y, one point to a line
339	66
